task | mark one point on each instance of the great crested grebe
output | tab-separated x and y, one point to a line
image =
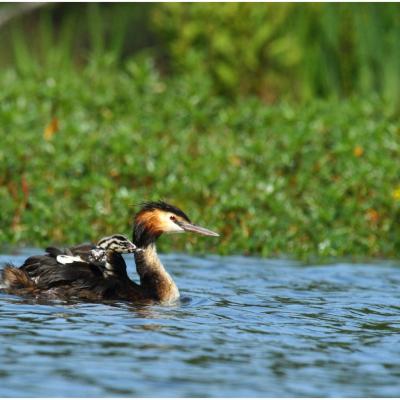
81	271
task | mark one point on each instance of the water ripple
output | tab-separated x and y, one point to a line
244	327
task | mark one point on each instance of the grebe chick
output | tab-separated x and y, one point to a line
115	243
103	253
87	280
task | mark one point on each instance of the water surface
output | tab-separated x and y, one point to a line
244	327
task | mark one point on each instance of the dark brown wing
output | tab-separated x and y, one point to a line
46	272
77	279
116	266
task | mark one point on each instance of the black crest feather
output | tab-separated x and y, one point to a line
162	205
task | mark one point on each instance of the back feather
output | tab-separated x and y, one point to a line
15	278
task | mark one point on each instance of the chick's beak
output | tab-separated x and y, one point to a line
132	248
188	227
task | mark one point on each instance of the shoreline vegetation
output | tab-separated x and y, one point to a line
80	151
276	125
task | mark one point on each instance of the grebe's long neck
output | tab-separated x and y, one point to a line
155	281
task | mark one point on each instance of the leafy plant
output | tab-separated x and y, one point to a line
79	151
286	51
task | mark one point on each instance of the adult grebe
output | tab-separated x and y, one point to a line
87	280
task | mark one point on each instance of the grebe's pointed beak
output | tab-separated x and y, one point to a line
188	227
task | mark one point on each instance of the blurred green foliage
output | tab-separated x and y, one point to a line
68	36
79	151
276	51
244	48
286	50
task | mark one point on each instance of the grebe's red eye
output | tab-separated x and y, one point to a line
172	218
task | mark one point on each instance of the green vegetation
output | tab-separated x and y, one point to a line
287	50
79	151
276	51
274	124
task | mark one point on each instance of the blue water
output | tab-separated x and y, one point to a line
245	327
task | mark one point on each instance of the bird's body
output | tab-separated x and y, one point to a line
99	272
86	271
